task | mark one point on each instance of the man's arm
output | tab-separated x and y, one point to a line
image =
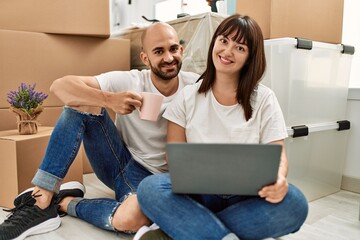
75	91
78	91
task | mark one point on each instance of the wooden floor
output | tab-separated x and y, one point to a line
335	217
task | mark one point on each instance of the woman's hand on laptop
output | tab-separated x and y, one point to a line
275	193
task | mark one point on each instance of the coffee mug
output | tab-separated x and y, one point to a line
151	105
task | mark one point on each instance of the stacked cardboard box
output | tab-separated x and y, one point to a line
318	20
41	41
74	17
41	58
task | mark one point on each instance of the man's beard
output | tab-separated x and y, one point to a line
166	75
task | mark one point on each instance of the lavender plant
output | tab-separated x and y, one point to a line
26	98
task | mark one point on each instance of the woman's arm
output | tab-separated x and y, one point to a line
283	167
275	193
175	133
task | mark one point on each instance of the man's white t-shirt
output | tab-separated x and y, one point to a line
145	139
207	121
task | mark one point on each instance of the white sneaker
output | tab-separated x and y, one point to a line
153	232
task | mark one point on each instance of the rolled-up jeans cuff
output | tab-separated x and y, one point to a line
47	181
71	208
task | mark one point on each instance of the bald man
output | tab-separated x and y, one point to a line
121	153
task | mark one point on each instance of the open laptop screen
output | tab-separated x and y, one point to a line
236	169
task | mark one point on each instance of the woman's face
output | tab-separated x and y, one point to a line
229	56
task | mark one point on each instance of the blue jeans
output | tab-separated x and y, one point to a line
184	216
109	157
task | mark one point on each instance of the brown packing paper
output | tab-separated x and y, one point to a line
27	123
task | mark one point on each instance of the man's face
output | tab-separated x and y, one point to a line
166	64
163	53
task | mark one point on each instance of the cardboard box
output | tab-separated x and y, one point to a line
7	120
75	17
47	118
318	20
20	158
41	58
50	115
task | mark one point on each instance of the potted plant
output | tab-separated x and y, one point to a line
26	104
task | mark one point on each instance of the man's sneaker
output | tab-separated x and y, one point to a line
28	219
151	233
69	189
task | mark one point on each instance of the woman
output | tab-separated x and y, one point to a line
227	105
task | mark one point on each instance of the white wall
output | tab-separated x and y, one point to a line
352	163
351	36
124	15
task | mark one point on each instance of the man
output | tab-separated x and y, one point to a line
121	155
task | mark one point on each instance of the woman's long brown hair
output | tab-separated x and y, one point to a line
246	30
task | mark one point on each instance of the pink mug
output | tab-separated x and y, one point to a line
151	105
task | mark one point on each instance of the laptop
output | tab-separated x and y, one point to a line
234	169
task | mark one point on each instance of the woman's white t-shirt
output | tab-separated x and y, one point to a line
207	121
145	139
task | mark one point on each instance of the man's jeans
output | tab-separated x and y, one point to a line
108	156
184	216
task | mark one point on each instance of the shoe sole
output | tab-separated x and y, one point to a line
73	185
47	226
